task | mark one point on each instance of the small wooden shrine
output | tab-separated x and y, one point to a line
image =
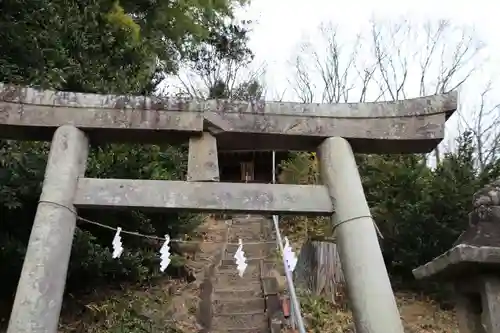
248	166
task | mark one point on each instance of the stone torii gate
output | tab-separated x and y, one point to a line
72	120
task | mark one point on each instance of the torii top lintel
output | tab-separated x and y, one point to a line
407	126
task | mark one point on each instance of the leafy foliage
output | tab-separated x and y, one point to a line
420	211
73	45
20	184
108	46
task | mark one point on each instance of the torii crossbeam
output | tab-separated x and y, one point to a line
71	120
407	126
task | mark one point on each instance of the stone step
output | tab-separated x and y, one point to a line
267	263
251	272
247	221
249	282
252	227
268	266
205	257
237	282
251	260
230	263
213	251
256	319
247	225
242	217
242	292
254	286
252	250
245	330
239	305
232	277
247	234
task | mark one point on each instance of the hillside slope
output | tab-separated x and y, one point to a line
419	315
169	305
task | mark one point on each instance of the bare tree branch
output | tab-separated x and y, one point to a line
336	68
393	61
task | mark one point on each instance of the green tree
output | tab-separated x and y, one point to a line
420	211
109	46
122	47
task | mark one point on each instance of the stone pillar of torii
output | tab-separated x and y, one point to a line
335	131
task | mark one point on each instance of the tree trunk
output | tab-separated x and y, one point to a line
318	269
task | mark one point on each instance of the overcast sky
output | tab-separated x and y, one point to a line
282	24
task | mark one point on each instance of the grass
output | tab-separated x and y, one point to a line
170	306
419	315
167	306
164	305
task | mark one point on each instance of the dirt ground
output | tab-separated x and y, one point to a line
422	315
418	314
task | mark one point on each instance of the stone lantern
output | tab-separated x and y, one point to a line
472	266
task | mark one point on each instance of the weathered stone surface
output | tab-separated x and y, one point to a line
40	291
231	277
359	249
473	265
277	274
461	260
275	325
230	264
270	286
484	220
232	293
239	305
468	312
273	304
203	163
415	125
257	320
200	196
445	103
486	204
487	196
480	232
253	250
490	294
275	313
370	135
477	303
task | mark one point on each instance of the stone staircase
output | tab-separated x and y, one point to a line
230	303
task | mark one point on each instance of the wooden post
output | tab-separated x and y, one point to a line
318	268
39	296
373	304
